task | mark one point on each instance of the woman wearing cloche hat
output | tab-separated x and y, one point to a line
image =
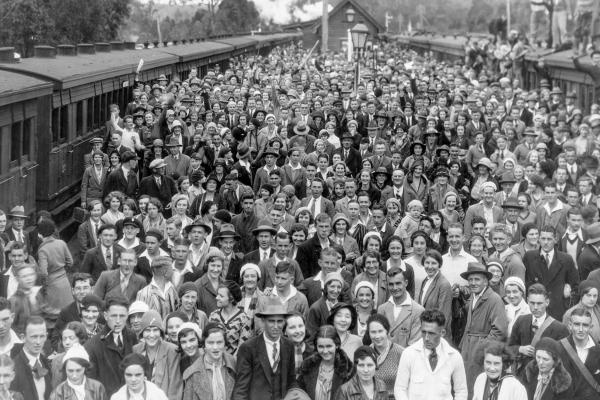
76	363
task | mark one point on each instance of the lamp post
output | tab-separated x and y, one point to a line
359	35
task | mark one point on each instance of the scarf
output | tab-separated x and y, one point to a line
218	384
78	389
542	383
383	355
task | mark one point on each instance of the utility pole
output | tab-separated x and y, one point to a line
325	27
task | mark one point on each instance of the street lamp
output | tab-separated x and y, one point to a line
358	34
350	13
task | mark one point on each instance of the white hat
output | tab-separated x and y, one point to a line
515	280
192	326
76	351
371	234
363	284
137	307
250	266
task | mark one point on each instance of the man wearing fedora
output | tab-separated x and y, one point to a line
177	164
350	155
264	233
197	232
486	319
16	232
159	185
438	191
242	165
226	240
553	269
123	179
262	174
266	363
512	209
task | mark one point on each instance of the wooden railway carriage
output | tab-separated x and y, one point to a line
53	104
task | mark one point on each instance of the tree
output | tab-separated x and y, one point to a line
26	23
235	16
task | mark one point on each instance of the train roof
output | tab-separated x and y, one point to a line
67	71
15	88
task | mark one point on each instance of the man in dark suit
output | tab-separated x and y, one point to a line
231	192
158	184
82	286
579	353
108	348
32	370
328	263
264	233
316	203
16	232
123	179
116	145
265	364
104	256
121	281
553	269
574	170
529	329
350	156
242	166
309	251
574	239
226	239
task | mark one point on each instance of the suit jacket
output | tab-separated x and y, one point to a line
85	238
115	181
228	200
354	160
91	186
254	256
9	236
23	382
562	271
522	335
109	284
289	176
377	162
177	167
165	373
526	117
168	188
326	205
477	209
244	176
406	329
94	262
255	375
308	256
438	296
587	261
562	243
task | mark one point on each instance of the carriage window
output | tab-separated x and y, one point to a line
64	123
90	114
15	141
28	132
55	125
97	108
79	128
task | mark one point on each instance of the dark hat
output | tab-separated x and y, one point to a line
243	151
347	135
227	231
272	151
442	148
128	156
156	86
381	171
131	221
46	227
220	161
198	223
381	114
442	171
223	216
234	291
301	128
416	143
264	226
512	202
550	345
173	142
476	268
507	177
156	233
157	163
593	232
187	287
268	187
211	177
339	306
585	285
544	83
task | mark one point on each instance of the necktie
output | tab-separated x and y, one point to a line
38	370
423	293
20	238
275	357
95	231
108	258
123	284
119	342
312	207
433	359
501	154
547	260
346	154
534	326
541	387
265	256
158	182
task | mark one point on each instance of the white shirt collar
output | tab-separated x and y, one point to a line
269	342
32	360
539	320
293	292
407	301
579	233
557	207
299	166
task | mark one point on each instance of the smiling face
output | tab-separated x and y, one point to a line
326	348
295	329
189	343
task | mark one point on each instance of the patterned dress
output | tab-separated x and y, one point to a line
237	328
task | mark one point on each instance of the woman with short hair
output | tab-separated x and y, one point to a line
236	322
497	382
364	382
75	364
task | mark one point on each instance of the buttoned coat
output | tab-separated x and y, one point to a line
94	262
109	284
438	296
23	382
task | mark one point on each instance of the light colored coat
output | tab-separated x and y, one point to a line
165	374
406	329
416	380
511	388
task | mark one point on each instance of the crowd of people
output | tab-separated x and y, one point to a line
269	231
